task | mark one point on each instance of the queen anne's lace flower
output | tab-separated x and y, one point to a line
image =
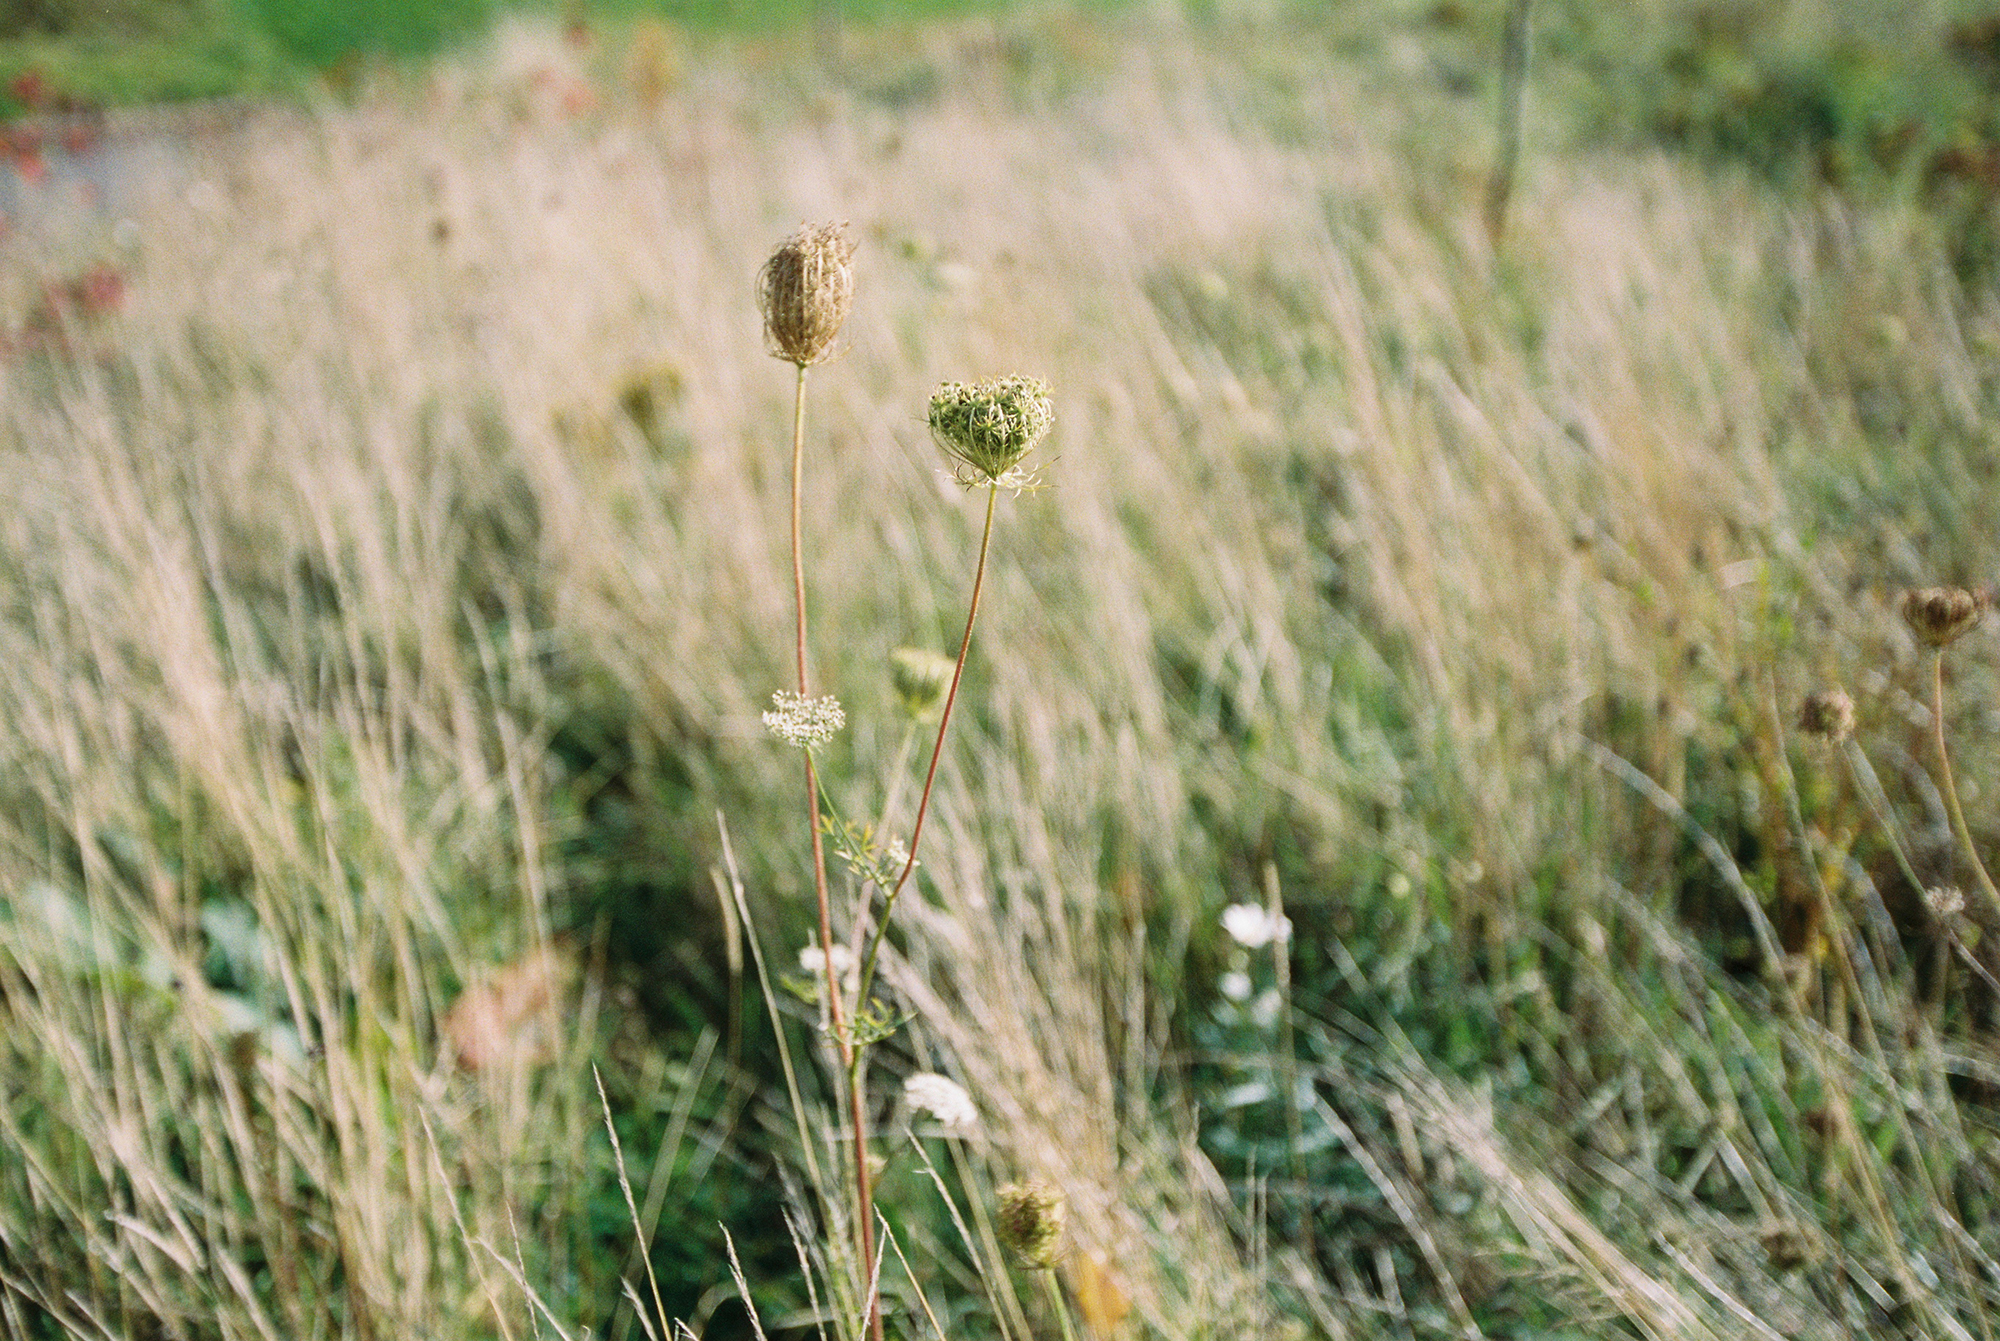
806	289
943	1098
1031	1219
920	677
1939	615
1253	927
813	960
987	427
801	721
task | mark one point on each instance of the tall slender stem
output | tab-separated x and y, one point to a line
864	1223
937	749
798	528
1958	823
1513	88
1048	1275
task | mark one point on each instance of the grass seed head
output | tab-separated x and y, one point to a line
1032	1215
1939	616
1828	714
987	427
805	291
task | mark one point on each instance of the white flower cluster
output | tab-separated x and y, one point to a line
1253	927
802	721
943	1098
813	960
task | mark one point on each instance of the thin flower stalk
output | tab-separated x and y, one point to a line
986	428
937	748
836	1008
850	1056
1950	788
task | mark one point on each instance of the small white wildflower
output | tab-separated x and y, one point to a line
804	722
1235	985
1253	927
896	855
943	1098
1944	901
813	960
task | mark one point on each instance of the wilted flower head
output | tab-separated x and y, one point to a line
920	676
1031	1221
1254	927
987	427
1828	714
805	291
943	1098
802	721
1939	615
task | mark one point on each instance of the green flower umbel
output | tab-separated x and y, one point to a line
987	427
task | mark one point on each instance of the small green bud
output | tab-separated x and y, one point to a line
920	676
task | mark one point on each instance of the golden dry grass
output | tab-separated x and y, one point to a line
1357	531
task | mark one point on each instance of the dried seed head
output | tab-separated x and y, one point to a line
1939	615
1031	1221
1829	714
805	291
920	676
1944	901
987	427
1788	1244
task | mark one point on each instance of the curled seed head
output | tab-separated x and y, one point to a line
987	427
1828	714
920	676
805	291
1031	1221
1939	615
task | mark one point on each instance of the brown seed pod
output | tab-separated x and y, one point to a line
1828	714
805	291
1940	615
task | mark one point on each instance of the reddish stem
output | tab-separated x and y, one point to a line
836	1009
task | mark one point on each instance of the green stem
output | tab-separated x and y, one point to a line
1048	1275
937	749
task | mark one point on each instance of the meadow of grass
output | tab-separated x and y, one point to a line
396	568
